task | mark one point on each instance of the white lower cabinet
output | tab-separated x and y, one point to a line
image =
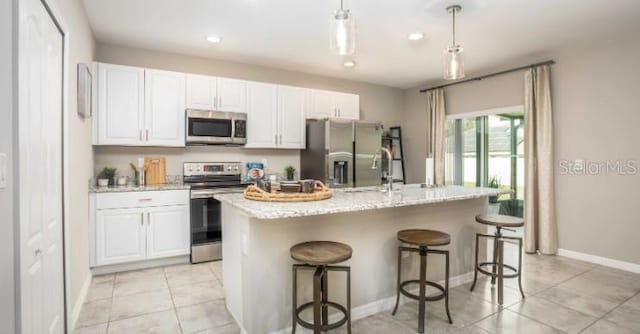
166	235
136	226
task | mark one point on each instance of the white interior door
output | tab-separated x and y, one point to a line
40	159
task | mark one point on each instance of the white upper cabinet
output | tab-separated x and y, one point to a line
321	104
261	115
120	105
201	92
212	93
292	104
347	106
232	95
164	108
327	104
275	116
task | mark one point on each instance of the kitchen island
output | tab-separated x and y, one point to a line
258	235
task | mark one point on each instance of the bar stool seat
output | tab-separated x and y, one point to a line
320	257
321	253
424	237
500	220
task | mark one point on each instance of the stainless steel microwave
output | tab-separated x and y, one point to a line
206	127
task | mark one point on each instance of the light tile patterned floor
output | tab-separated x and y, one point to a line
562	296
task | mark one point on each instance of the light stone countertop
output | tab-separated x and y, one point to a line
355	199
129	188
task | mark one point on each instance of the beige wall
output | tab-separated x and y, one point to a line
377	103
79	150
595	101
7	144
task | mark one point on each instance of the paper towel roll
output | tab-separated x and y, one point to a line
429	172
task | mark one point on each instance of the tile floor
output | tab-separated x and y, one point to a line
562	296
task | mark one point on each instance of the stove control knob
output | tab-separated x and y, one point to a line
235	168
228	167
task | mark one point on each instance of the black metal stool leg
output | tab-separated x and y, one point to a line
520	266
348	300
475	268
294	301
399	280
324	286
495	259
423	285
317	300
500	243
446	287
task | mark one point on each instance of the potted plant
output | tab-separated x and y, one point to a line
290	172
106	176
494	206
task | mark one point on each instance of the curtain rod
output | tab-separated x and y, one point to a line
548	62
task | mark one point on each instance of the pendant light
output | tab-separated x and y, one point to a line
453	62
342	32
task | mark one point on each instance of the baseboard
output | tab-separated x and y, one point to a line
115	268
382	305
242	330
604	261
77	306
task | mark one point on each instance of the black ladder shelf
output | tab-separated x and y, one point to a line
392	140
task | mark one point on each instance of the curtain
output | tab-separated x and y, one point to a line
436	138
541	231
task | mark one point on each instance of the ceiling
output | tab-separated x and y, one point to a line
294	34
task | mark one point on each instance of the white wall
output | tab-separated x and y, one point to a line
595	103
7	143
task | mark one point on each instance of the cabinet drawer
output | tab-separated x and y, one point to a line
138	199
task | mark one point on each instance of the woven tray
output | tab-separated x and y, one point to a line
321	192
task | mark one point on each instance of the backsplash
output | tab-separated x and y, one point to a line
120	157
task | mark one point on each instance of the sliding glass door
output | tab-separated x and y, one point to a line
488	151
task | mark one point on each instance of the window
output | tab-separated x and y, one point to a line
487	150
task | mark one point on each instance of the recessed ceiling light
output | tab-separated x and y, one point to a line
214	39
349	63
415	36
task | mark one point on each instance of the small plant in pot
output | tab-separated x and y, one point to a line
106	176
290	172
494	182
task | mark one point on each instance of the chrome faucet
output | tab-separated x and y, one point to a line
374	165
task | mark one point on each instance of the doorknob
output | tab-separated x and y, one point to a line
38	252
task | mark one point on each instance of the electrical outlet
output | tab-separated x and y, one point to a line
3	170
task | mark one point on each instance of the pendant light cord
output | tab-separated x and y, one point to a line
453	12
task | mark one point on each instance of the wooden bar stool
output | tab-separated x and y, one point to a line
319	256
423	239
498	265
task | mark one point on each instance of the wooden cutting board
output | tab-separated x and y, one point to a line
156	170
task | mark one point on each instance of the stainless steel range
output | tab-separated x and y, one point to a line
207	179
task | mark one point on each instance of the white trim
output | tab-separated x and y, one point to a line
77	306
487	112
381	305
604	261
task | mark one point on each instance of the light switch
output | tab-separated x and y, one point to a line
3	170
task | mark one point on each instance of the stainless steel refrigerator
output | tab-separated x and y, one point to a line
340	152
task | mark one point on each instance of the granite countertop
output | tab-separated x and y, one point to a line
355	199
129	188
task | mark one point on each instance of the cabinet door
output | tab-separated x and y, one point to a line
261	115
167	231
232	95
120	105
348	105
201	91
321	104
292	104
120	236
164	108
